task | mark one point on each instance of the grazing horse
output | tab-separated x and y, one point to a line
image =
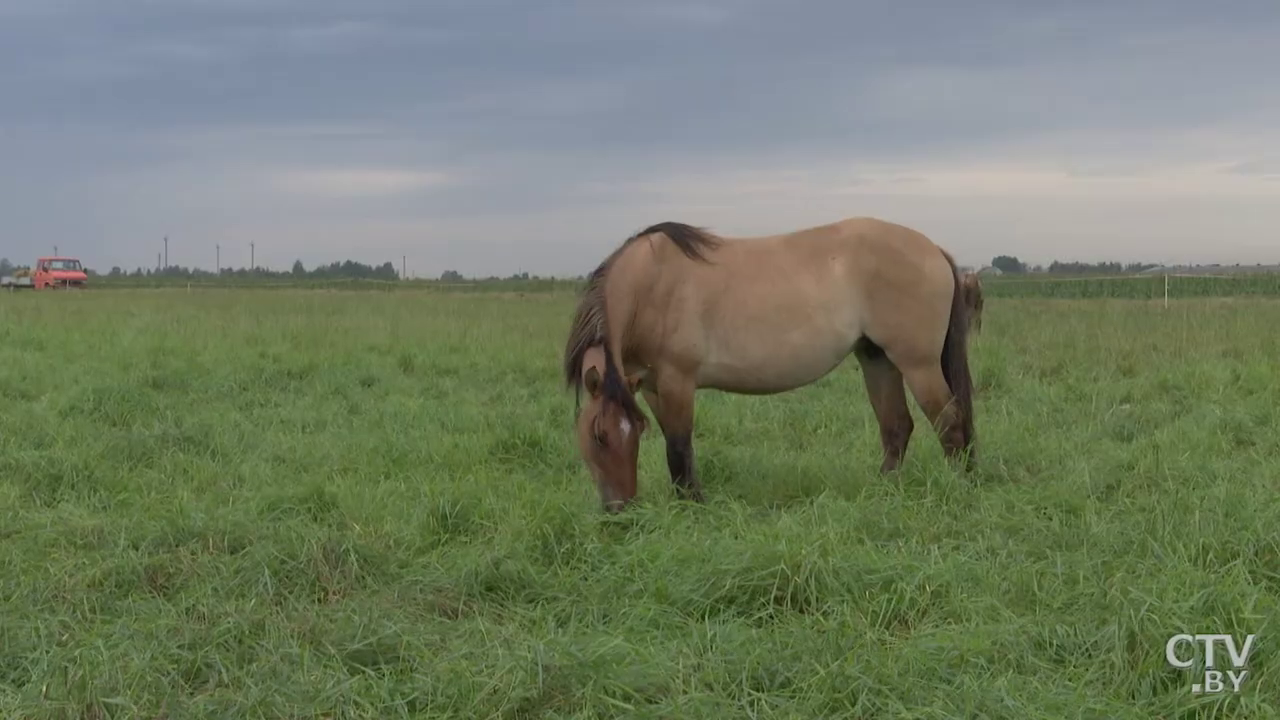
676	308
973	300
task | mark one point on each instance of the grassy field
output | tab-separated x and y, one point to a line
271	504
158	282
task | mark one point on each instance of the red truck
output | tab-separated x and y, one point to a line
49	273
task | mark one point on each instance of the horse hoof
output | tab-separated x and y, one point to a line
692	495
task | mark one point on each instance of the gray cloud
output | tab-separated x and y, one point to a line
494	134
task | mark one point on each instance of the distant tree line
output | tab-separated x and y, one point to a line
1011	264
345	270
353	270
455	276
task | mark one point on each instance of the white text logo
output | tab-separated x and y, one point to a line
1215	680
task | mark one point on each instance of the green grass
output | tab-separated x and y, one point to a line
267	282
252	504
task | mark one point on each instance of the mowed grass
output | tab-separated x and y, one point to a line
245	504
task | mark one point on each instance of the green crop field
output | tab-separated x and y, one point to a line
288	503
1135	287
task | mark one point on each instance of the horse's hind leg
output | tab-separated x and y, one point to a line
930	390
888	399
672	404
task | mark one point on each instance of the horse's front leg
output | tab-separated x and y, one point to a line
672	404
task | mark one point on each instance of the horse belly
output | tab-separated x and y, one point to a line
765	363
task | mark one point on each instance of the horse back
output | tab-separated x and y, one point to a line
767	313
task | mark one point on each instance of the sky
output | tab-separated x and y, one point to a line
501	136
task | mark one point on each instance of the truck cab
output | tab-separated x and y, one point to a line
58	272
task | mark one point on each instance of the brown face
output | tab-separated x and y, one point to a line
610	443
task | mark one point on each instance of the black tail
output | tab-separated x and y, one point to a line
955	358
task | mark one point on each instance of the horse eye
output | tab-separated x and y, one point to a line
601	439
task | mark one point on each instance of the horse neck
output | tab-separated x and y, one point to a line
623	297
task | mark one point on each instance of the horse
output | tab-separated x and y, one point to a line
677	308
973	300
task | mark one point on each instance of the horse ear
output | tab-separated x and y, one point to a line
591	379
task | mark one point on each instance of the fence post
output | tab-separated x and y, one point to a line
1166	291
